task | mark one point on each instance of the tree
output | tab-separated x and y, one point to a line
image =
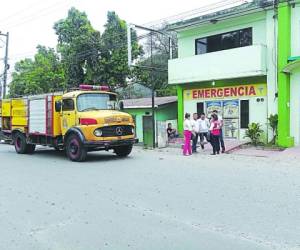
153	71
42	74
79	45
114	60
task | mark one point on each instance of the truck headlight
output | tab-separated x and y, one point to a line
98	132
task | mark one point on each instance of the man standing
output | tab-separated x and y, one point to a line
220	118
203	129
195	126
172	133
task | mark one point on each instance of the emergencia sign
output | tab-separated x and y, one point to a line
250	90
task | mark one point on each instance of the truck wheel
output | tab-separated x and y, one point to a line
75	149
123	151
20	143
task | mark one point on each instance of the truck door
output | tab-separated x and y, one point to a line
68	115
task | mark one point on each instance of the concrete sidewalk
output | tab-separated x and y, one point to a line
230	145
290	153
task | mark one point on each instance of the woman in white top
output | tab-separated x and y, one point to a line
188	128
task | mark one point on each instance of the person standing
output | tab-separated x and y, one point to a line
187	125
215	130
204	125
220	119
195	132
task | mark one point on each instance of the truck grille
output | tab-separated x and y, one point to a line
118	130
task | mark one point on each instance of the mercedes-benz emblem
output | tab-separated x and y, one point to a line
119	131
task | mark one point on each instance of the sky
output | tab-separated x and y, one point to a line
30	22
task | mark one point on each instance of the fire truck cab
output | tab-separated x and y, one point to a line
79	121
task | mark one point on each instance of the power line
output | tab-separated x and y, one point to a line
41	13
199	11
21	11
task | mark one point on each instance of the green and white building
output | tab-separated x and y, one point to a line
244	61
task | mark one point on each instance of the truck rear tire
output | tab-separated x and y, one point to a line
123	151
75	149
21	146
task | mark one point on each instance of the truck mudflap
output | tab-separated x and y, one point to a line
110	144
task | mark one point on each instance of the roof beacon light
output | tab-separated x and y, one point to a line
93	87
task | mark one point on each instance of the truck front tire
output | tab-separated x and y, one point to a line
123	151
75	149
21	146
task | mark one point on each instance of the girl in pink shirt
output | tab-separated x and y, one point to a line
187	149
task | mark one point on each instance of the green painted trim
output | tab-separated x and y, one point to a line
293	58
284	52
180	109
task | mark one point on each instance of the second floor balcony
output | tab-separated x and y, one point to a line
227	64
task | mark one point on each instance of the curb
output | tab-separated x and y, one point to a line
234	148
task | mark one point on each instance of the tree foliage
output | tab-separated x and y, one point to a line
153	69
79	46
114	58
44	73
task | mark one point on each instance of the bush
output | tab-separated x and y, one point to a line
273	122
254	133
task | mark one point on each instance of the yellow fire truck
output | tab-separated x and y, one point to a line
83	120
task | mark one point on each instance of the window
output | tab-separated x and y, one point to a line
229	40
96	101
244	113
68	105
200	108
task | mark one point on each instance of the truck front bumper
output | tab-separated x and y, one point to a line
109	144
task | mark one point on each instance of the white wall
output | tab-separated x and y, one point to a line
295	107
295	76
295	31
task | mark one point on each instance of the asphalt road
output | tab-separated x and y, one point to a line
152	200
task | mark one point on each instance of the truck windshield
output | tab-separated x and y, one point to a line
96	101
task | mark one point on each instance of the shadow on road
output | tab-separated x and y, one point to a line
91	157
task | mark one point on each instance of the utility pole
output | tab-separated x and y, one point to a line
153	94
6	66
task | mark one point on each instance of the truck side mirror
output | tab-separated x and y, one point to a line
58	106
121	105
